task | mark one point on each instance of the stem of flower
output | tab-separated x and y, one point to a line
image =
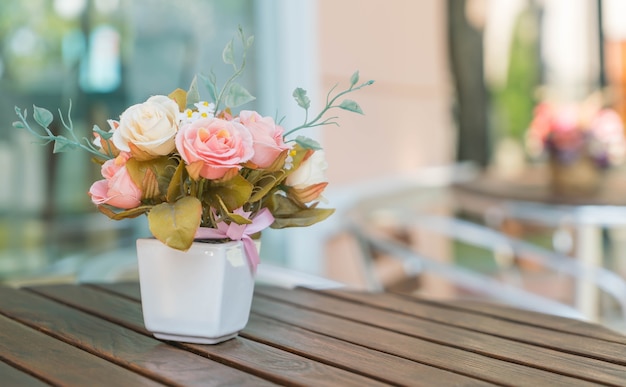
329	105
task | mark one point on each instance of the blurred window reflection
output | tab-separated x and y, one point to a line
103	55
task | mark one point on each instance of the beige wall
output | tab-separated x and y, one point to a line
401	44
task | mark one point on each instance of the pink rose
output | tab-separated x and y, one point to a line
117	188
212	147
267	136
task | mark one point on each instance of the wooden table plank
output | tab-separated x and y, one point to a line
506	322
268	362
11	376
332	351
436	342
305	337
615	374
129	290
117	344
59	363
498	330
530	318
350	356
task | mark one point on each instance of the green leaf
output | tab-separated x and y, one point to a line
308	143
288	213
249	42
351	106
175	224
238	95
193	95
175	187
233	193
265	184
18	125
152	176
299	94
62	144
42	116
227	55
303	218
211	85
102	133
228	215
354	78
125	214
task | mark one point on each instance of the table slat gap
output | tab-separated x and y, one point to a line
474	343
127	290
339	353
213	353
521	316
141	344
590	349
304	337
480	326
288	376
47	367
15	374
402	340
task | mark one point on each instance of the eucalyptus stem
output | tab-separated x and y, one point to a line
237	74
51	137
329	105
227	84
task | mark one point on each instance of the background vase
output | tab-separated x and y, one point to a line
200	296
578	178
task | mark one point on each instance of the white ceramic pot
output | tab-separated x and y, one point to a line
200	296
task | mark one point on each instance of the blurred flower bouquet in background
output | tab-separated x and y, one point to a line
197	169
580	140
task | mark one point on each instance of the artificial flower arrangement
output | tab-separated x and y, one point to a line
199	171
568	132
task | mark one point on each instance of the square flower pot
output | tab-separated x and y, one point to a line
199	296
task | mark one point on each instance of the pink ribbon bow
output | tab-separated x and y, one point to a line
240	232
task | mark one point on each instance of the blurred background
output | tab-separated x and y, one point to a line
456	82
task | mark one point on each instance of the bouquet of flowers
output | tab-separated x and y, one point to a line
197	170
569	132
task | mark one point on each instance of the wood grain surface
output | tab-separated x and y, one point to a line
93	334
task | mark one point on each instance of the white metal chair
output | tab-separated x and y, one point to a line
415	262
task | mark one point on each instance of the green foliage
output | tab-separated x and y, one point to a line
238	95
231	194
301	98
44	119
289	213
176	224
231	94
308	143
350	106
515	100
331	102
42	116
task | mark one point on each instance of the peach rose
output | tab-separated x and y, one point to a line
212	147
117	188
267	137
309	180
147	130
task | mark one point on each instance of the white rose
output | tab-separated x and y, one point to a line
311	171
150	126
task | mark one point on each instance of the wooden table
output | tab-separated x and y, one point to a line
90	335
